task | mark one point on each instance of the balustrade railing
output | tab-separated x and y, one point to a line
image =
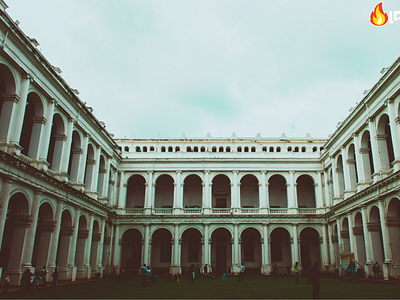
307	211
163	211
192	210
278	210
250	210
221	211
134	211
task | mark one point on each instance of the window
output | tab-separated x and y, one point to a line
271	149
214	149
314	149
165	249
276	249
203	149
144	149
138	149
126	148
196	149
246	149
221	149
170	149
188	149
151	148
248	242
278	149
296	149
253	149
163	149
228	149
264	149
239	149
289	149
303	149
177	149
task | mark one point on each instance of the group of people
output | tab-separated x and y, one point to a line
30	282
146	276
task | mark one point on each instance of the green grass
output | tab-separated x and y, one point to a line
252	287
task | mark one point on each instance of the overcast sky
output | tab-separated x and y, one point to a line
247	67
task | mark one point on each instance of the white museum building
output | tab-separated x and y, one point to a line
73	196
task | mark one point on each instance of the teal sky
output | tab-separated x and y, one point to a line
214	66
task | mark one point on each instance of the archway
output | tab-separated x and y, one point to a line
56	145
385	144
96	235
89	169
83	234
393	221
251	250
192	192
374	227
309	248
281	253
75	157
352	164
249	195
221	251
131	252
340	175
305	192
161	251
66	231
221	192
164	197
366	155
7	97
191	249
44	231
136	192
345	235
277	192
358	231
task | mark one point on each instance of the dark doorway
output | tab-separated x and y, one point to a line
221	259
221	203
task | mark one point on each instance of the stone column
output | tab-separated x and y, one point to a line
340	241
206	245
149	194
45	140
123	186
31	231
235	252
66	151
88	249
291	193
295	246
207	193
106	171
395	134
177	205
175	261
319	202
332	249
8	112
367	240
116	250
82	162
266	262
72	247
36	138
353	244
346	174
386	241
327	201
325	252
375	150
146	244
235	204
17	117
359	163
100	248
95	177
55	239
4	199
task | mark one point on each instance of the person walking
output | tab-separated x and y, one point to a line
375	268
205	271
6	283
191	273
43	274
55	279
143	276
241	273
296	272
314	274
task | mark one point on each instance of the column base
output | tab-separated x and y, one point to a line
15	276
4	147
92	194
175	270
206	210
177	211
42	164
376	176
72	273
396	164
368	268
362	185
14	148
386	270
349	193
266	270
235	270
147	211
62	273
87	271
395	271
99	269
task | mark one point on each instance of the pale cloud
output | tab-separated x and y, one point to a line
214	66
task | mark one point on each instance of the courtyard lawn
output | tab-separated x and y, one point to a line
252	287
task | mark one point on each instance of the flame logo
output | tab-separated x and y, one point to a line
378	16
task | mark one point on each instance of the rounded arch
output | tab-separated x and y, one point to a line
161	250
221	191
277	191
221	250
366	155
352	165
340	174
136	191
7	80
131	250
191	248
249	191
25	202
57	137
309	247
259	230
167	228
251	252
75	156
305	191
43	235
192	191
393	221
221	226
123	230
164	194
281	248
385	143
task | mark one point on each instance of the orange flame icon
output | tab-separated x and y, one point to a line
378	16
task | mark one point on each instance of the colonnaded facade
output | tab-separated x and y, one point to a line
73	196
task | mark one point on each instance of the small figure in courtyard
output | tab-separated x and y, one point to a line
25	281
224	276
205	271
241	273
55	279
314	274
309	272
6	283
275	270
296	271
43	274
122	274
154	279
191	273
283	274
375	268
143	276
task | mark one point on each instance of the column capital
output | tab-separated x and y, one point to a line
235	172
263	172
178	172
150	172
207	172
291	172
